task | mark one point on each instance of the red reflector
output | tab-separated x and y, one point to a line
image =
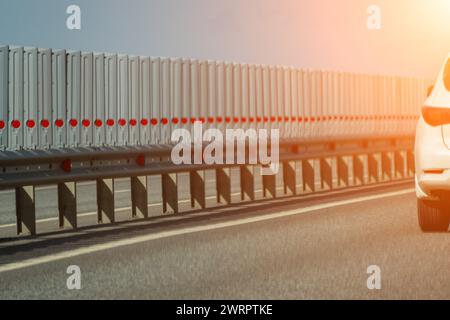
244	119
164	121
2	124
45	123
193	120
144	122
266	119
258	119
15	124
86	123
202	119
73	122
436	116
184	120
59	123
66	165
175	120
110	122
98	123
251	119
133	122
140	160
122	122
273	119
154	122
235	119
31	124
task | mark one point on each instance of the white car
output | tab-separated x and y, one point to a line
432	156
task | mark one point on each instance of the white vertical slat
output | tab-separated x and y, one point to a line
99	115
176	93
73	98
229	98
212	92
294	104
15	109
308	108
274	124
4	55
45	121
252	96
220	93
266	97
301	103
123	108
326	105
259	110
30	98
280	101
134	103
155	130
165	106
245	97
237	105
186	101
59	101
145	99
287	112
195	93
111	99
87	99
204	104
334	104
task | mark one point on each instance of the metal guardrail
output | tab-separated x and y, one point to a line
345	158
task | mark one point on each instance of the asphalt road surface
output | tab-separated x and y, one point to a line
315	247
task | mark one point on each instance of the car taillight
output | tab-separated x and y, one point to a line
436	116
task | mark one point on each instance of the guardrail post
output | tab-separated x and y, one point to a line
170	192
373	168
342	171
358	169
67	204
247	182
269	185
386	166
197	187
289	176
410	162
105	200
326	175
139	196
26	210
223	185
308	176
399	160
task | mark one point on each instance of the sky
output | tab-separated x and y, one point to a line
414	38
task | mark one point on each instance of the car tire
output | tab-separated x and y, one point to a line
433	216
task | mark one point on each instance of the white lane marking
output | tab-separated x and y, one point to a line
188	230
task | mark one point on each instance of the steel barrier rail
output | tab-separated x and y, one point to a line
383	158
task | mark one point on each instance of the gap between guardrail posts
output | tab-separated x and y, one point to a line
197	187
342	171
308	175
247	182
373	168
386	166
223	185
289	177
139	196
269	186
169	192
26	210
67	204
399	161
105	200
326	175
358	170
410	162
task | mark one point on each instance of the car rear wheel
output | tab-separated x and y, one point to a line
433	215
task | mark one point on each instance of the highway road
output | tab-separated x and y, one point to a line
318	246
